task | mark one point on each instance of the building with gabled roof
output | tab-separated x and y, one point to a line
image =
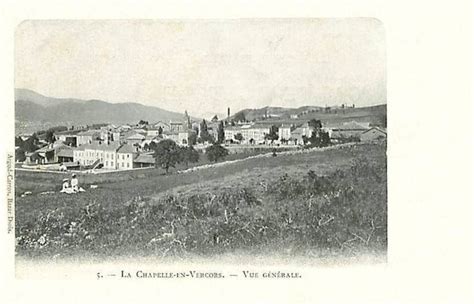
143	160
348	130
112	156
164	126
251	133
136	138
373	134
87	137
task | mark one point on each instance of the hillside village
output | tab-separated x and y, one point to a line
110	147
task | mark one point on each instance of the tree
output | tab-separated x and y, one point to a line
31	144
142	122
189	155
319	139
18	141
238	137
20	155
325	139
50	136
192	139
167	154
220	133
314	140
216	152
160	130
305	139
273	135
204	134
315	124
152	146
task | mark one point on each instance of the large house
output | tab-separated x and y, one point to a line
348	130
87	137
136	138
113	156
176	127
51	153
373	134
284	131
68	137
250	133
163	125
297	136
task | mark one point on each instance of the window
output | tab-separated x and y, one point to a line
128	165
112	163
128	155
106	163
123	165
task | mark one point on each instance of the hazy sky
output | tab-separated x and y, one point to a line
205	66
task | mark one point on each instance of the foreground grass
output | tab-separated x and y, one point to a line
326	203
38	182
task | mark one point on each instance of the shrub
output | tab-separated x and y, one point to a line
216	152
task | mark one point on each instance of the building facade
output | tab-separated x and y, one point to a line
112	156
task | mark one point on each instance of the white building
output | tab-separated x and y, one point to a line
250	133
284	131
113	156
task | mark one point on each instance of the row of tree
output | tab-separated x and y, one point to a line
168	154
205	136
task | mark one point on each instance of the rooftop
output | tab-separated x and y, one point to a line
352	125
89	133
100	146
127	149
136	136
145	158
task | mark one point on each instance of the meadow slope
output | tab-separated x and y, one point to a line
319	203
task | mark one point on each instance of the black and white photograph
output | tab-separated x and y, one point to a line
201	139
208	151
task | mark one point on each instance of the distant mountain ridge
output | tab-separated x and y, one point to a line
34	107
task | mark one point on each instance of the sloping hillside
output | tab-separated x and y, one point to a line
33	107
373	114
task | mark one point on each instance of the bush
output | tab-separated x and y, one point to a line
216	152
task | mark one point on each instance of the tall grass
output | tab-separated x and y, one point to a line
343	213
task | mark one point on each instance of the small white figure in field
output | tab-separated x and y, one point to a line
65	184
74	183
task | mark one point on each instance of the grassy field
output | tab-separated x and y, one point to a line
37	181
322	203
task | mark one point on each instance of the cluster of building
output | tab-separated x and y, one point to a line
110	147
126	147
295	134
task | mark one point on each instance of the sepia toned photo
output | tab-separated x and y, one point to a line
190	140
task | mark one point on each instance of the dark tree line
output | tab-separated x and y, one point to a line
168	154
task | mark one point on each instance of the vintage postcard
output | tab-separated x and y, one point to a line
203	139
195	152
